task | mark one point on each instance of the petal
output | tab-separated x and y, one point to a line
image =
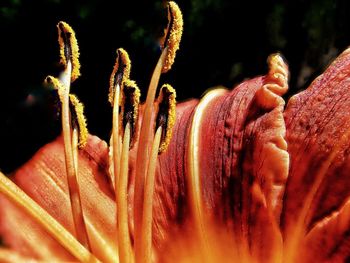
26	237
242	162
318	135
169	204
11	256
329	240
169	207
43	179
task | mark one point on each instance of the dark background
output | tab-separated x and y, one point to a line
224	42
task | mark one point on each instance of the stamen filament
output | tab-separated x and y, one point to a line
81	230
44	219
116	137
69	52
73	187
146	234
78	122
125	249
75	141
120	74
170	45
143	152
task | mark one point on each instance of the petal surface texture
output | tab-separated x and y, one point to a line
43	179
318	188
235	163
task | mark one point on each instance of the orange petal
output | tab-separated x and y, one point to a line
169	209
26	237
43	179
12	256
243	165
318	135
328	241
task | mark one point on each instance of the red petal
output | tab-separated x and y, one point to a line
243	167
169	207
329	240
318	135
43	179
11	256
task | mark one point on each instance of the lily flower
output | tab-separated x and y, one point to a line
237	176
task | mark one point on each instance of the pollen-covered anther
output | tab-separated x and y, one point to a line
56	84
69	49
173	35
120	73
78	120
130	100
166	114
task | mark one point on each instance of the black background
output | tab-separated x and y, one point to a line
224	42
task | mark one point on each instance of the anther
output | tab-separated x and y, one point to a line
166	114
69	50
173	35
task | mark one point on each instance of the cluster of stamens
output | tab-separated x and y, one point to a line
152	137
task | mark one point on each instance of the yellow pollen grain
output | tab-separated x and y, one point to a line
175	29
79	111
72	46
166	88
122	60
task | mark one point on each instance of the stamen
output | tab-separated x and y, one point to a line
79	140
44	219
57	85
75	142
145	140
78	120
130	100
124	243
130	97
69	52
164	123
120	76
69	49
173	34
120	73
166	114
146	133
146	234
71	162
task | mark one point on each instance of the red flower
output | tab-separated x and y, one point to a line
243	179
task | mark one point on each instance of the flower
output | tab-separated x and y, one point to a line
243	178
